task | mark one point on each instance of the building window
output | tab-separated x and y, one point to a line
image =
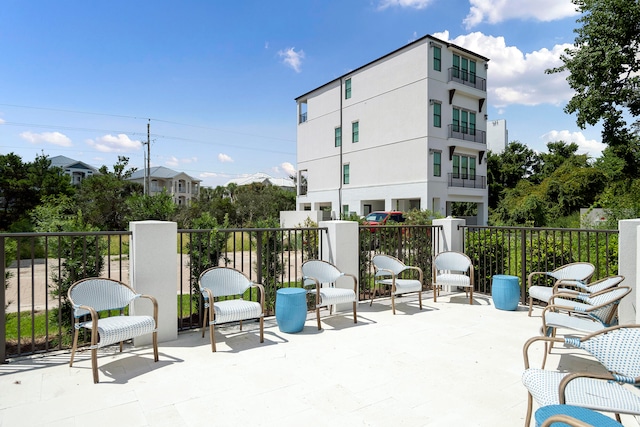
437	114
345	211
347	89
464	69
464	167
302	182
437	163
464	121
338	136
355	131
437	60
345	173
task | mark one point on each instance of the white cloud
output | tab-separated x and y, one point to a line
415	4
288	168
585	146
55	138
1	121
495	11
292	58
515	77
175	162
114	144
223	158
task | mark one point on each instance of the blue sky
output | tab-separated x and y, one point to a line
216	80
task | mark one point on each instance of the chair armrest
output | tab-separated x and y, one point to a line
535	273
567	379
355	281
155	306
530	341
260	287
384	272
418	269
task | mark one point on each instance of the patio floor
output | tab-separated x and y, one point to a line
450	364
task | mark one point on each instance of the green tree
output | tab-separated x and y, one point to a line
257	202
506	169
604	72
160	207
102	198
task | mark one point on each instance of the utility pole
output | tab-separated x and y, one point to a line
148	166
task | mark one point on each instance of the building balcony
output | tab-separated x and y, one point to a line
460	180
467	133
468	79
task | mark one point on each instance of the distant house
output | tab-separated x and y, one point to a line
76	169
263	178
181	186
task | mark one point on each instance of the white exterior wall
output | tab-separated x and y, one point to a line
390	166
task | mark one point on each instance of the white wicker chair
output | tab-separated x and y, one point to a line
453	270
582	312
323	276
574	274
617	349
94	295
388	271
223	289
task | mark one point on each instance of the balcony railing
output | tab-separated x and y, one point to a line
466	181
467	133
467	79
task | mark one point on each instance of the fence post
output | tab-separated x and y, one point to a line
3	323
452	238
153	270
628	256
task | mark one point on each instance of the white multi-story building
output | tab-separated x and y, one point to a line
76	169
405	131
497	135
182	187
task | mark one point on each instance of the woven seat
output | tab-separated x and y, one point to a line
575	274
453	270
91	296
617	349
322	276
223	289
388	273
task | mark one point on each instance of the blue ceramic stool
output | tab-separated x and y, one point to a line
583	414
291	309
505	291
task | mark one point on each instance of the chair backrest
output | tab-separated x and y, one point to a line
617	349
224	281
581	271
322	271
609	300
386	262
452	261
602	284
101	294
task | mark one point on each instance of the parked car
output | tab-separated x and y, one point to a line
381	217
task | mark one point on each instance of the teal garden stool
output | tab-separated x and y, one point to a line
291	309
505	292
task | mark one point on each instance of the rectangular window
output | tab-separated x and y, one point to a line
464	167
345	173
347	89
345	211
355	131
437	163
472	168
338	136
456	166
302	182
456	67
437	114
472	71
464	67
472	123
464	121
456	120
437	59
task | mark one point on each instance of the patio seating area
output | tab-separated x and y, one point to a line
449	364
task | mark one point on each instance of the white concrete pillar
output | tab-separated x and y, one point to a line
451	238
340	248
153	270
628	257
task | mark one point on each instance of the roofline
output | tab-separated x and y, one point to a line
421	39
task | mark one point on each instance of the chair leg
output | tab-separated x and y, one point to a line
318	318
212	338
435	291
204	321
373	294
355	316
527	420
94	364
73	348
155	346
393	303
530	305
471	296
262	329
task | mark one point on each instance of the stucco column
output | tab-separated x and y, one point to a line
451	238
340	248
628	257
153	270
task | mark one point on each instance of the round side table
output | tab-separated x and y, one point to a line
505	291
291	309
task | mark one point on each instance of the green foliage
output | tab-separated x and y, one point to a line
271	267
206	247
159	207
488	250
310	239
258	202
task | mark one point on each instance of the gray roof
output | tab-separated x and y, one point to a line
67	163
159	172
